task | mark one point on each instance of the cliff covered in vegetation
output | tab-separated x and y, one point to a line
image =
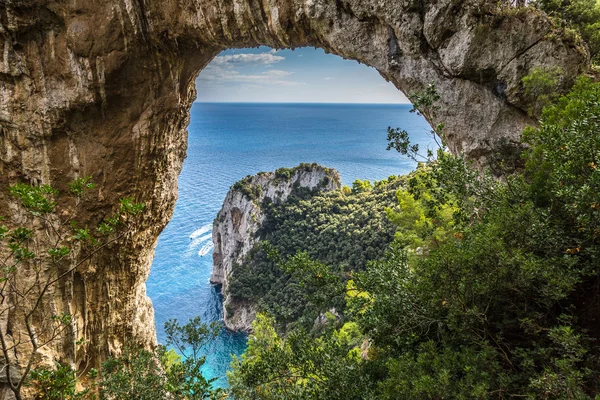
341	231
237	226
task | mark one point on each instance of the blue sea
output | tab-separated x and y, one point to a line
228	141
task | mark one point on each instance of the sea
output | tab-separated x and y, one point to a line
228	141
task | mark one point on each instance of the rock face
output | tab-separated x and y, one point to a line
236	227
104	88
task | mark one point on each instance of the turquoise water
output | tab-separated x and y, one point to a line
229	141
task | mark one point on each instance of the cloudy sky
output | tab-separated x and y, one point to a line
301	75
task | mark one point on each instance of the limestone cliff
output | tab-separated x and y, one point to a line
104	88
236	226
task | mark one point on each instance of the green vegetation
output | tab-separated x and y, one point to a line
247	188
583	15
399	140
57	384
299	367
359	186
284	173
310	246
490	289
46	225
138	373
540	86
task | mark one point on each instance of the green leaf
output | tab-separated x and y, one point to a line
36	199
80	185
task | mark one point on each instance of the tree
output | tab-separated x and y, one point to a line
300	366
399	139
136	374
184	377
141	374
37	255
583	15
59	383
501	303
500	307
359	186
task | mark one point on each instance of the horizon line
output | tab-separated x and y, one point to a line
297	102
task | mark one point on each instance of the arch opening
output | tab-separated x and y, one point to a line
333	112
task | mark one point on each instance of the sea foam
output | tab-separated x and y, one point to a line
205	249
198	241
201	231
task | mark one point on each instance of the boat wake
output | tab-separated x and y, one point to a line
205	249
201	231
198	241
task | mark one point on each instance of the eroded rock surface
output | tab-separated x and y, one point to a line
104	88
235	230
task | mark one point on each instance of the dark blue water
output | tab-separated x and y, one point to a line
229	141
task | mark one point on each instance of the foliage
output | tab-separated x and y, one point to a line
584	15
58	384
503	295
359	186
40	253
334	233
184	379
284	173
37	200
399	140
134	375
563	161
502	301
299	366
146	375
423	220
424	100
540	87
80	185
247	188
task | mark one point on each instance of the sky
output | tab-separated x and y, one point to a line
292	76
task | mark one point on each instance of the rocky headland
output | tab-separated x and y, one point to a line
236	227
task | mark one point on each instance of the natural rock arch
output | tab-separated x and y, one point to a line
104	88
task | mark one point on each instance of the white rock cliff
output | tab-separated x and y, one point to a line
237	224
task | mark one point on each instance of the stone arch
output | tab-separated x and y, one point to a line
104	88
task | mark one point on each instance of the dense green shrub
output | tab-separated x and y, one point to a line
301	366
247	188
501	300
337	230
141	374
583	15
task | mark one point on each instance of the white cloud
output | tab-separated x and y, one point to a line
219	74
246	69
329	78
246	58
278	72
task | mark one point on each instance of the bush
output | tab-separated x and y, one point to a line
342	232
500	302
